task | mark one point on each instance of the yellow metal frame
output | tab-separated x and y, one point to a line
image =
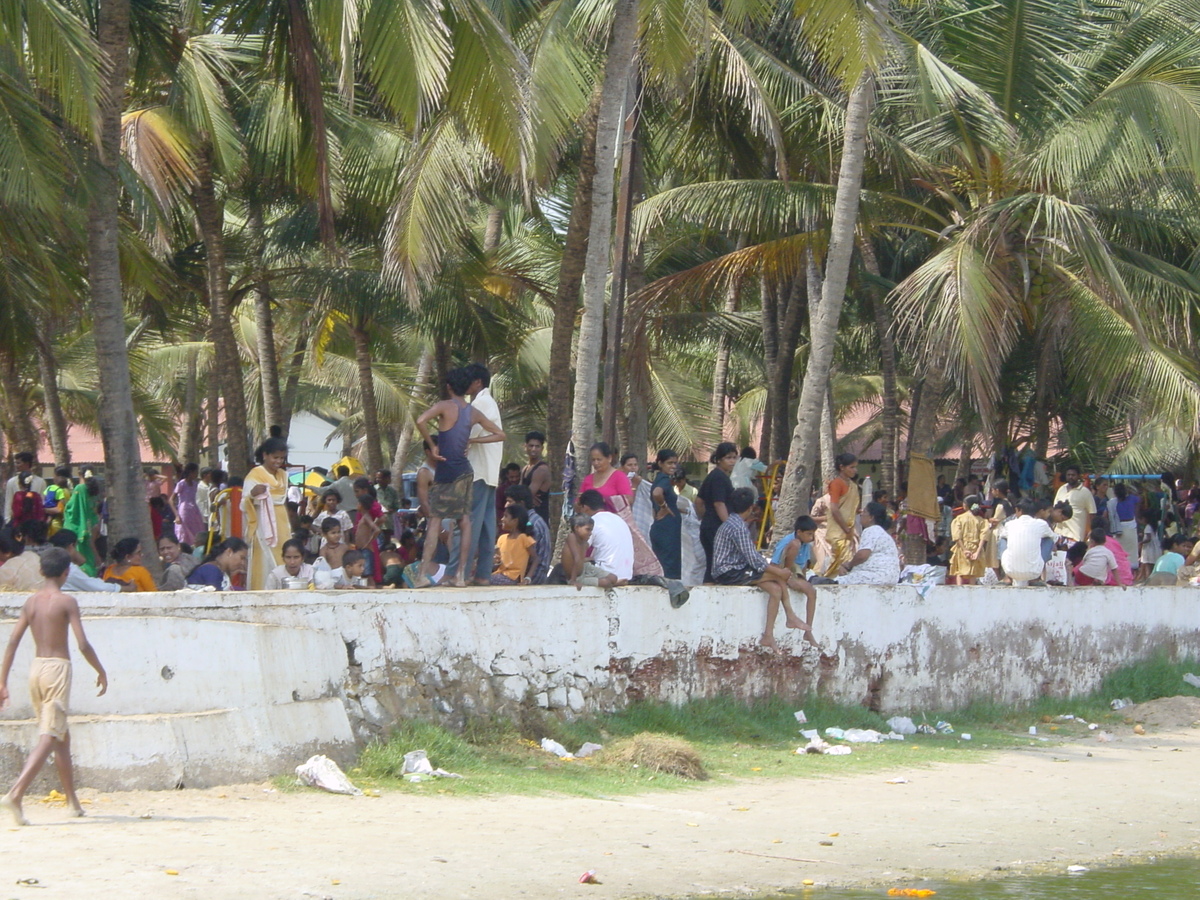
771	480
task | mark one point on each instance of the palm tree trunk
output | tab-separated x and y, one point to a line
922	429
630	185
366	387
781	375
721	366
887	358
608	123
770	336
491	232
828	439
189	437
210	218
292	386
213	425
420	390
828	427
56	421
128	512
264	320
637	361
566	304
20	425
797	480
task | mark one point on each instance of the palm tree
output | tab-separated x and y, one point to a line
1062	146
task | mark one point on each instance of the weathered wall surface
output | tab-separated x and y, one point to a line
219	687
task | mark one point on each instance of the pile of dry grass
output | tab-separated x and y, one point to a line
657	753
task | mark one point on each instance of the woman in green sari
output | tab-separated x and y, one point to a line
81	517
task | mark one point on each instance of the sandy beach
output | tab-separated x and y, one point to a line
1030	809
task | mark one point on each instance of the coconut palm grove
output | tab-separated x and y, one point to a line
942	229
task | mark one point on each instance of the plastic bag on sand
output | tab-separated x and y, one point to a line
552	746
902	725
416	764
322	772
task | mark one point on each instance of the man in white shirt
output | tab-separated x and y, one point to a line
611	541
485	460
1083	506
37	484
1022	558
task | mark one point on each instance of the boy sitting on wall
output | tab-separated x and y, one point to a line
736	561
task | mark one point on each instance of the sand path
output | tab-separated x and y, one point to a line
1025	809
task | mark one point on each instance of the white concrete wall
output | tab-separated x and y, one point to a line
192	702
260	679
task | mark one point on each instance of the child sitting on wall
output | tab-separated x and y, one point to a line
1098	565
516	548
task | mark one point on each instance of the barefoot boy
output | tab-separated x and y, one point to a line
48	613
737	561
333	550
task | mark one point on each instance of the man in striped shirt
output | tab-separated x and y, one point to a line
736	561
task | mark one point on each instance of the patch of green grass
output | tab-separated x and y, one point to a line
736	740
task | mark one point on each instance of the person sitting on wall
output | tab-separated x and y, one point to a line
736	561
876	561
1099	565
606	537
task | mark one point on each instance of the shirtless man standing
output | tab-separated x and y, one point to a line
48	613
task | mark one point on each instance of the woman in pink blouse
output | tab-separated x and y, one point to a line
614	487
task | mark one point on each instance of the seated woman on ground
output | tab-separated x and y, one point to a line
224	561
177	561
293	566
736	561
127	568
877	561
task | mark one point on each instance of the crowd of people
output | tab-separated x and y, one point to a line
476	520
1053	529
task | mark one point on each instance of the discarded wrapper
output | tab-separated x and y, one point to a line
589	877
801	717
322	772
552	746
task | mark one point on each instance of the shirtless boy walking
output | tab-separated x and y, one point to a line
48	613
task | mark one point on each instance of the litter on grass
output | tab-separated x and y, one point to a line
416	764
322	772
902	725
552	746
801	717
862	735
823	748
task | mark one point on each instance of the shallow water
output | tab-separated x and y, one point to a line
1167	879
